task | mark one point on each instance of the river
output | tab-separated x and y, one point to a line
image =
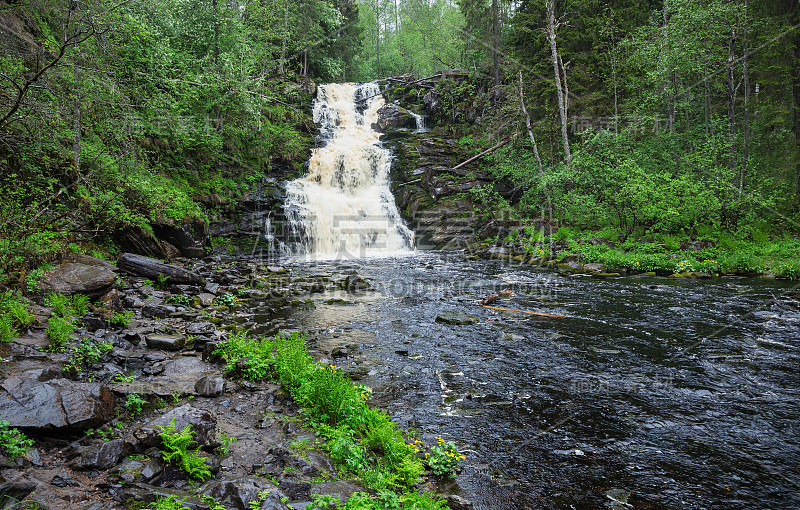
646	392
665	393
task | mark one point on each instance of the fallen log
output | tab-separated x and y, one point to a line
138	265
538	314
487	151
488	300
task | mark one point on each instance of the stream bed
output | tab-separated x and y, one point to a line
648	392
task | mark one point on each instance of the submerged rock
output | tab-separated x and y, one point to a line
457	319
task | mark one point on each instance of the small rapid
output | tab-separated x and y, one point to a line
344	208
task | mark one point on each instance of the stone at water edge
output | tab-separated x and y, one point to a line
457	319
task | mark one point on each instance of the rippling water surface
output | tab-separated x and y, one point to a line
665	393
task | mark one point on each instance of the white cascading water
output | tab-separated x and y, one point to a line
344	208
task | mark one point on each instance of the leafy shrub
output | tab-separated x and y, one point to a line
33	277
134	403
59	330
444	458
86	354
7	329
253	356
122	319
13	442
789	270
179	299
168	503
226	299
177	451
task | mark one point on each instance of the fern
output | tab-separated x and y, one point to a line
177	451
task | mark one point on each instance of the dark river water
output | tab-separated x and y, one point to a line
648	393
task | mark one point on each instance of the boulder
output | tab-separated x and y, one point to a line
103	456
391	115
241	491
151	268
166	342
54	404
77	278
457	319
210	386
203	424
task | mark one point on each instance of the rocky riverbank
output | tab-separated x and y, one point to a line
143	355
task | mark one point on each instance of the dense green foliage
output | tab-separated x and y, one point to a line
683	116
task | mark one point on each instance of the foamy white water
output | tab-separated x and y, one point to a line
344	208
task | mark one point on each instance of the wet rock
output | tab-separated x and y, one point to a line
153	469
76	278
157	311
391	115
457	319
212	288
201	328
166	342
55	404
63	480
241	491
147	494
455	502
210	386
103	456
341	490
203	425
128	471
354	283
15	491
151	268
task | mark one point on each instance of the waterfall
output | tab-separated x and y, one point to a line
420	120
344	208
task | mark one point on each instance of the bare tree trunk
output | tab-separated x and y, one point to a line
551	32
216	31
732	102
564	84
378	34
396	19
282	63
496	48
535	149
746	83
76	120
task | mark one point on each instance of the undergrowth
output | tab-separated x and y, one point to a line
362	439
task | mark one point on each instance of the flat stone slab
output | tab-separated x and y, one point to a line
166	342
54	404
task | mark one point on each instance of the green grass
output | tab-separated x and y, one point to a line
361	439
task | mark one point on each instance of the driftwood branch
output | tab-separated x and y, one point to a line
487	151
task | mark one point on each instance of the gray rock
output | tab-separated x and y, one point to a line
456	502
103	456
201	328
206	299
241	491
203	425
147	494
212	288
166	342
63	480
210	386
457	319
341	490
55	404
156	311
394	116
75	278
153	468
